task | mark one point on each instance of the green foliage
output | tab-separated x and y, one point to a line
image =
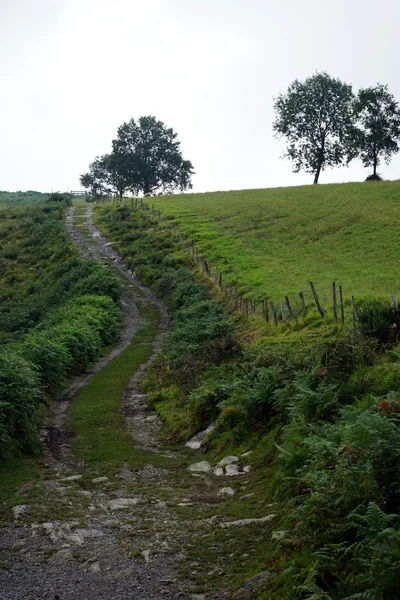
29	197
19	398
56	312
377	129
378	319
314	116
146	157
59	197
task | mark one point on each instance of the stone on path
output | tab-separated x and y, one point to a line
232	470
121	503
62	555
100	479
95	567
228	460
243	522
247	469
71	478
201	467
197	440
218	471
146	555
227	491
19	510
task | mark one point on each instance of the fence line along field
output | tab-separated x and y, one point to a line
272	242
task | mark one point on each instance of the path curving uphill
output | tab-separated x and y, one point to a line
92	245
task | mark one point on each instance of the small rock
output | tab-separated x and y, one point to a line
197	440
100	479
48	527
73	538
243	522
85	493
62	555
89	533
121	503
232	470
246	453
218	472
19	510
279	535
146	555
95	567
227	491
72	478
111	523
228	460
201	467
185	504
198	597
247	469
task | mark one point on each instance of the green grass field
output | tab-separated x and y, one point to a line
272	242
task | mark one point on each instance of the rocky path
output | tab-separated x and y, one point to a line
160	531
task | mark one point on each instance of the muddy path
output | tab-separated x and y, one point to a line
151	529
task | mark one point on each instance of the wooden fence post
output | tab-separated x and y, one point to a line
394	301
334	300
314	293
207	269
273	312
247	308
290	309
341	305
302	302
282	311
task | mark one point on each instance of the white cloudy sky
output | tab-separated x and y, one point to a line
72	71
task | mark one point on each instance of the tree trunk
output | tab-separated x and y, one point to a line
317	173
375	164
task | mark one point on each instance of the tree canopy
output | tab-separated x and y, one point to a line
145	157
376	131
314	117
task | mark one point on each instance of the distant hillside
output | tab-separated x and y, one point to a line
29	197
272	242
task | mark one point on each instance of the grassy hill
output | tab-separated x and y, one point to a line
272	242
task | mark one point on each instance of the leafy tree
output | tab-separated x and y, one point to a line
314	116
152	157
377	126
95	180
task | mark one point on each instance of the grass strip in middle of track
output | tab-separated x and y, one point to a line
100	438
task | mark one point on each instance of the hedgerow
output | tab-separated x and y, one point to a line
54	317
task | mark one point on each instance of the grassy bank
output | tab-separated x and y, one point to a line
272	242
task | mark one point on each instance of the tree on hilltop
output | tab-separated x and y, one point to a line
314	116
376	133
146	157
154	159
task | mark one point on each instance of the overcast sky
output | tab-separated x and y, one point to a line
72	71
